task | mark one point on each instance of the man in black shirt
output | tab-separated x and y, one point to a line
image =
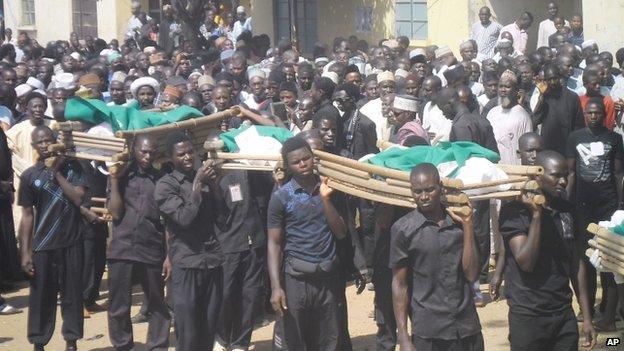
94	235
437	248
137	249
469	126
241	233
51	243
303	226
357	134
558	111
595	157
542	260
185	201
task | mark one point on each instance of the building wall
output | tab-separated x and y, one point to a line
262	17
603	21
507	11
338	18
52	19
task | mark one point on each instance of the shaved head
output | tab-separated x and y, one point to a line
424	170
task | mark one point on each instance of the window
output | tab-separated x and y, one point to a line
28	12
411	19
306	22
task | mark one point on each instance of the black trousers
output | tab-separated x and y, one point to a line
469	343
311	321
481	221
196	302
543	333
94	262
58	270
384	311
120	276
10	266
242	296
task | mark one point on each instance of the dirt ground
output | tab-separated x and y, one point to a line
362	328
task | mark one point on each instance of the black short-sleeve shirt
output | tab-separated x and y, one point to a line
57	219
189	218
442	305
139	234
545	290
595	156
238	224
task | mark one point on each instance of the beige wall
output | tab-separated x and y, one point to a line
604	22
448	23
262	16
51	22
338	18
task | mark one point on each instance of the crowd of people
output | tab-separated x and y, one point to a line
234	247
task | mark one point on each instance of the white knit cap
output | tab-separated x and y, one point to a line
23	90
416	52
256	73
589	42
400	72
443	50
405	103
240	9
332	75
35	83
385	75
119	76
64	80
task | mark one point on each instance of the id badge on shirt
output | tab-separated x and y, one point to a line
235	193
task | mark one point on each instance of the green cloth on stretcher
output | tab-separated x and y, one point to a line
279	134
406	159
128	117
619	229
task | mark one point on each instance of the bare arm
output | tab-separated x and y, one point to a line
578	277
400	303
571	176
525	248
256	118
274	262
470	256
115	202
335	221
25	234
74	193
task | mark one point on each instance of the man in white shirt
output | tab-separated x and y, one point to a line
134	23
547	26
242	24
509	120
485	33
433	121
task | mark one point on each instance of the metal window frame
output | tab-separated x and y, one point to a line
412	22
28	17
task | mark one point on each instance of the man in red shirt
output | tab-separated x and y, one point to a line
591	82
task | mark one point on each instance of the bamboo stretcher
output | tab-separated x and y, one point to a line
610	247
386	185
99	208
72	135
392	187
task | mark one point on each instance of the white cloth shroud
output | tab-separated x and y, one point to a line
251	143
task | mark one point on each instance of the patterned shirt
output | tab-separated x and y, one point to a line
486	37
57	219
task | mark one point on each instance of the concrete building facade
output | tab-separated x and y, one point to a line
424	21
